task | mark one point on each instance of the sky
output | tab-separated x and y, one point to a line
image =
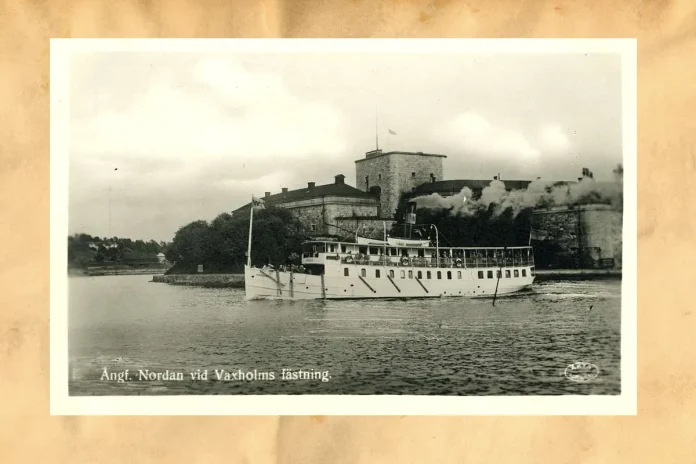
161	139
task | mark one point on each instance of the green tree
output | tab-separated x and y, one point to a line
190	244
482	228
221	246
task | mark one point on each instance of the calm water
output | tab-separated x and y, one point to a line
435	347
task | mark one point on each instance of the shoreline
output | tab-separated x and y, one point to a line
202	280
114	272
237	280
577	274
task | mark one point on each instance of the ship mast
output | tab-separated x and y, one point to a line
251	222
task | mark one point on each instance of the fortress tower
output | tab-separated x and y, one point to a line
389	174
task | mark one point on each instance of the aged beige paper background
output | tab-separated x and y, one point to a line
664	430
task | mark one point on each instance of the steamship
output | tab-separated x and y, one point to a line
393	268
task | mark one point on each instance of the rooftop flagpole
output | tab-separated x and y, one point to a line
376	130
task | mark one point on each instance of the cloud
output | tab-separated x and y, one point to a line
194	134
251	117
216	131
473	135
553	140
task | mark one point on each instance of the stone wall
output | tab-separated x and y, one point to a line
604	232
380	171
420	165
587	236
323	211
369	227
396	173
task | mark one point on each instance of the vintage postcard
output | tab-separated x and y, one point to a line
373	227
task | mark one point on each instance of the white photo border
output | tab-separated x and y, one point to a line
61	403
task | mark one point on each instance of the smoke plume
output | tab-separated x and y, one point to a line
538	194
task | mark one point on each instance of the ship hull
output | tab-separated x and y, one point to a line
268	283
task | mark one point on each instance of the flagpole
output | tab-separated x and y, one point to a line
251	222
376	130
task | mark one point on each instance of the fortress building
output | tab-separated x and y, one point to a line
390	174
319	207
587	235
338	209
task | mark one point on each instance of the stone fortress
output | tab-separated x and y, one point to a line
388	175
582	236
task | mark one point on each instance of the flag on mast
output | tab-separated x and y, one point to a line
391	132
257	203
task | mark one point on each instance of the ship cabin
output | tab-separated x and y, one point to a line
318	254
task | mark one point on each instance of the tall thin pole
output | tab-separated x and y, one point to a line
251	222
385	239
376	130
437	247
500	274
109	225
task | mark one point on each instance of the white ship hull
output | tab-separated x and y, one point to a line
269	283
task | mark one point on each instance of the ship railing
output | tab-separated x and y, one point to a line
437	263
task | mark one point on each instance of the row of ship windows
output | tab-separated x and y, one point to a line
428	275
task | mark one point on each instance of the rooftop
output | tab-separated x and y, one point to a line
337	189
377	153
456	185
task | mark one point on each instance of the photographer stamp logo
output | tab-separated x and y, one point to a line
581	372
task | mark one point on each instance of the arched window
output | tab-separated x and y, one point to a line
459	274
345	271
377	273
427	274
410	274
439	274
363	272
449	275
420	274
403	274
391	273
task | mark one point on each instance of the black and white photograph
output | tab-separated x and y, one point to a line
351	226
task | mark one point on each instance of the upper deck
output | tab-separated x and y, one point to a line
324	252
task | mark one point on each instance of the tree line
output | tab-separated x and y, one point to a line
484	228
221	244
84	249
